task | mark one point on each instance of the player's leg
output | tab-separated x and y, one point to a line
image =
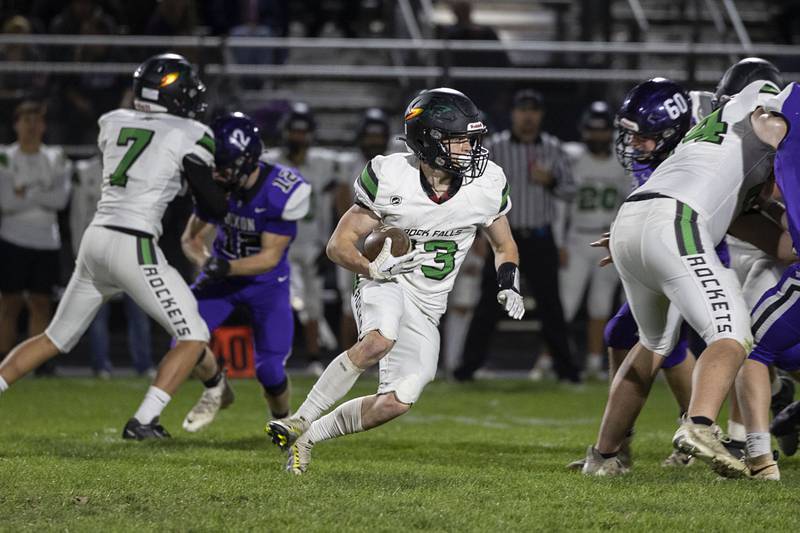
348	333
404	372
379	308
11	305
99	342
139	335
76	310
139	267
604	282
273	334
620	335
753	393
215	303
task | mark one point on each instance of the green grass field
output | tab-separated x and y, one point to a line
484	457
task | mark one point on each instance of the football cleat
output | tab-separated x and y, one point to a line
786	421
704	443
677	459
211	401
763	467
135	430
286	431
299	457
625	456
596	465
735	447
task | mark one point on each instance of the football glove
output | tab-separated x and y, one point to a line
216	268
386	266
509	296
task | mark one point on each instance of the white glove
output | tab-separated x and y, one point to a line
386	266
509	296
512	302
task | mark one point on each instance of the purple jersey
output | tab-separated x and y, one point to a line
641	173
787	163
260	209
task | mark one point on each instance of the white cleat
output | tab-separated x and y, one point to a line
285	432
299	456
596	465
211	401
763	467
704	443
677	459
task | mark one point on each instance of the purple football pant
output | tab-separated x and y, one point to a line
622	333
776	323
270	317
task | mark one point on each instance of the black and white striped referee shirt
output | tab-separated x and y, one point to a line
534	204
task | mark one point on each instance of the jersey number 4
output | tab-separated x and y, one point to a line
711	129
141	139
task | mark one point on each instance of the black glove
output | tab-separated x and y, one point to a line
216	268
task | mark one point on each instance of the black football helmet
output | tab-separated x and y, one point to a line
741	74
169	83
436	120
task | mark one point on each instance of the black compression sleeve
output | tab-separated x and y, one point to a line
208	195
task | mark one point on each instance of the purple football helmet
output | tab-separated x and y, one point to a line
237	141
658	110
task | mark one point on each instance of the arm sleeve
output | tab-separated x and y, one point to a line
209	197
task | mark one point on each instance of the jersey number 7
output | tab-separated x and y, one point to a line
141	139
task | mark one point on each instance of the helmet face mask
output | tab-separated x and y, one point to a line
445	131
651	121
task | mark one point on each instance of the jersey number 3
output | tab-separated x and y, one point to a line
445	256
141	139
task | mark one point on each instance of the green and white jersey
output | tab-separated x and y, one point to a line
720	166
142	165
392	187
602	184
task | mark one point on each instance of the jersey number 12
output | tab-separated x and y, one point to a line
141	139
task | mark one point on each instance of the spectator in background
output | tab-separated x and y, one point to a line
71	20
372	139
538	172
173	17
85	195
489	95
16	86
320	168
34	186
601	186
255	22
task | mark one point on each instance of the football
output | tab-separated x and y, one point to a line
373	244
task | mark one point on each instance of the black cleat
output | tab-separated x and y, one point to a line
135	430
784	396
785	427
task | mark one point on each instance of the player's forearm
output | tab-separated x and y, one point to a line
254	264
506	253
343	252
195	251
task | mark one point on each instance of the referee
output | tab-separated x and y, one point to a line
538	172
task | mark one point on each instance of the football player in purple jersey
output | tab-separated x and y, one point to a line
248	263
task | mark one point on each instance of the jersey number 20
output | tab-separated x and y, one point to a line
141	139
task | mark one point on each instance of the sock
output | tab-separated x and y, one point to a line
3	385
702	420
154	402
278	416
608	455
736	431
214	381
776	385
758	444
344	420
338	378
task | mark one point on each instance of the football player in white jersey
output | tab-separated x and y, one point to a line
146	152
320	167
662	245
439	194
602	184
